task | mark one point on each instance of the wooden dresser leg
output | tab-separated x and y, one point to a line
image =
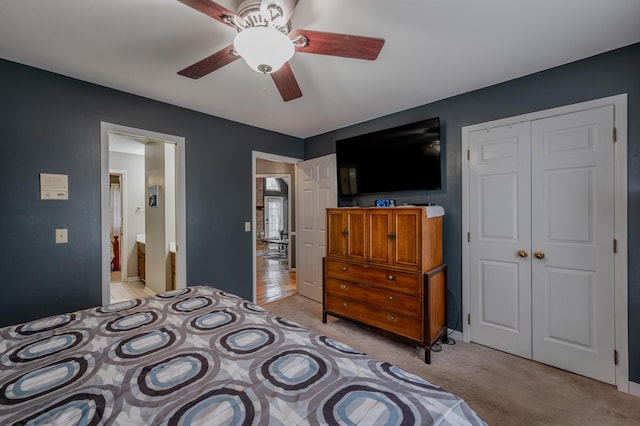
427	354
324	318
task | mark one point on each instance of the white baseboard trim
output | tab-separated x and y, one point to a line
634	388
132	279
148	291
455	334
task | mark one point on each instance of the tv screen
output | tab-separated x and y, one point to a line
403	158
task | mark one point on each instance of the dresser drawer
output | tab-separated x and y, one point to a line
391	321
403	282
376	297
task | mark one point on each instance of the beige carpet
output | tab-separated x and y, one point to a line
503	389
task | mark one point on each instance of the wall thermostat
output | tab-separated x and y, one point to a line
54	186
385	203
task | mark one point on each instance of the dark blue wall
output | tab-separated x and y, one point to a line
604	75
50	123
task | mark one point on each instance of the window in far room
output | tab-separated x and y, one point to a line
272	184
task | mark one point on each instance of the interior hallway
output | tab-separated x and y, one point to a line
274	281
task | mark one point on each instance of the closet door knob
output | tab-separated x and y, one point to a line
539	255
523	253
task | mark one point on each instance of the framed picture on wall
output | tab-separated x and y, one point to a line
153	195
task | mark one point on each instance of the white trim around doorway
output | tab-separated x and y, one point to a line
181	224
621	320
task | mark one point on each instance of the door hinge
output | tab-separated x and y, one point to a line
615	357
615	135
469	319
615	245
468	155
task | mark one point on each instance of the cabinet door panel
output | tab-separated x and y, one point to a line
357	234
406	238
336	241
379	232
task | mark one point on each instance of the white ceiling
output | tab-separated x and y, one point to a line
434	49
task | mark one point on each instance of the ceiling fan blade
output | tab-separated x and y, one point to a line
334	44
210	63
286	83
286	6
216	11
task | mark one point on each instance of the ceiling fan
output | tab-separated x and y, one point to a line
267	43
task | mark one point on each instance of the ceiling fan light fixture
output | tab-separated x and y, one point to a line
264	49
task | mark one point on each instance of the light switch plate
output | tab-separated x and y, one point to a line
247	227
61	236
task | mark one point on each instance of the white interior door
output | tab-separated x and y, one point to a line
573	223
317	191
545	187
500	227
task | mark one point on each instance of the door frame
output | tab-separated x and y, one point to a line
255	155
181	213
621	320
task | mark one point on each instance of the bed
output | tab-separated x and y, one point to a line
202	356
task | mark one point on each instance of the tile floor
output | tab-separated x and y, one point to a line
127	290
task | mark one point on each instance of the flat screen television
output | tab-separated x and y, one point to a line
402	158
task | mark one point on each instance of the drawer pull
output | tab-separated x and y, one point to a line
344	268
345	304
391	277
344	287
392	318
391	298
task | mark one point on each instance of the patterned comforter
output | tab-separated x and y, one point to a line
202	356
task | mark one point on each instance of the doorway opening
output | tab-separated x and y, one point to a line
143	213
274	229
122	287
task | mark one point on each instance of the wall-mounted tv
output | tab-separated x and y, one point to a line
402	158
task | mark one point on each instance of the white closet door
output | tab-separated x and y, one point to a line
317	190
573	226
500	227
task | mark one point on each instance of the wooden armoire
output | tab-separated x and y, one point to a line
383	269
